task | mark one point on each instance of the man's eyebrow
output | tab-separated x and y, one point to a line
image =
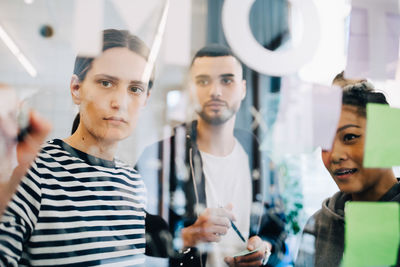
202	76
347	126
225	75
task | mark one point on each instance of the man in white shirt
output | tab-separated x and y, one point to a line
216	186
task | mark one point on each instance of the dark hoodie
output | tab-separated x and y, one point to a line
326	229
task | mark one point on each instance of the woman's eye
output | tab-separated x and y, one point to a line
350	137
136	89
106	84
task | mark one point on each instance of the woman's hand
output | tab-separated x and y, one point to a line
26	153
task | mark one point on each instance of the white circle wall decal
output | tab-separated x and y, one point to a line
236	25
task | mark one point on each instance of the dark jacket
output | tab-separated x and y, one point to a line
172	168
326	229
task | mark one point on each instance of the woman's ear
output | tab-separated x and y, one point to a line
75	87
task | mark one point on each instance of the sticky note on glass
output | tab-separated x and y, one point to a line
373	45
371	233
382	144
307	118
88	39
326	107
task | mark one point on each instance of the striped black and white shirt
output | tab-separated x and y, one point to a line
75	209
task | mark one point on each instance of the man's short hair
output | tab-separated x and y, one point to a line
215	50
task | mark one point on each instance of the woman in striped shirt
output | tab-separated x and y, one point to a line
77	205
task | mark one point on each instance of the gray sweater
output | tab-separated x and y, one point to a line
323	236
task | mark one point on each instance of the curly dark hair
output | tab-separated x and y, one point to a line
358	93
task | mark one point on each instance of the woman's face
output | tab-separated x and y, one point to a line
111	95
345	161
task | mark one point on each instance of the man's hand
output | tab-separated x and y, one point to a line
254	259
209	227
26	153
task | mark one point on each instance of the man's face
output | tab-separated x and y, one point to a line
220	88
112	94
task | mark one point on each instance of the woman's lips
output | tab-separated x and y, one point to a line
344	173
116	120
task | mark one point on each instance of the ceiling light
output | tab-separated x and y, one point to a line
17	53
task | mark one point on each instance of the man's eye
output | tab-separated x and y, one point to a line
226	81
202	82
106	84
350	137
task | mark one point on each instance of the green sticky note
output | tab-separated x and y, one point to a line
372	233
382	144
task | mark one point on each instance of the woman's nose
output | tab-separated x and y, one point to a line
119	99
338	153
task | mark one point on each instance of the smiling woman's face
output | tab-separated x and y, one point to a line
345	161
112	95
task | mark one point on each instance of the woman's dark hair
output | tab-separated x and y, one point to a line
75	124
358	93
114	38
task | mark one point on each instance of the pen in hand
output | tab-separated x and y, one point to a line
237	231
235	228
